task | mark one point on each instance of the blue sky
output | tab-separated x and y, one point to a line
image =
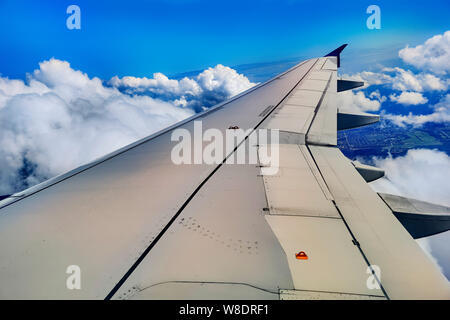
141	37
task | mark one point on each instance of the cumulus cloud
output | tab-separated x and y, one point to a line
408	98
208	88
421	174
435	247
433	55
369	78
409	87
405	80
441	113
357	101
401	79
60	118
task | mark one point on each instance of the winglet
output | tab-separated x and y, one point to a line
337	53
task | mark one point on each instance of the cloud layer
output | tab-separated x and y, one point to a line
59	118
409	88
408	98
421	174
441	113
208	88
402	80
358	101
433	55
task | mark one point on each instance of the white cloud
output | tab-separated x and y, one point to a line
414	88
421	174
60	118
431	82
408	98
376	95
441	113
357	101
405	80
434	249
433	55
401	79
208	88
369	78
159	84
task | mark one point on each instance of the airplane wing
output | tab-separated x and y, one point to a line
139	226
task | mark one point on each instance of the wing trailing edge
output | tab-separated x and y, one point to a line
349	120
369	173
344	85
419	218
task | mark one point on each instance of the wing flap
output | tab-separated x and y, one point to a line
334	263
406	272
420	218
295	189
